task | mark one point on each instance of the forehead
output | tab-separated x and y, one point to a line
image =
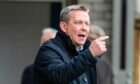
79	12
76	14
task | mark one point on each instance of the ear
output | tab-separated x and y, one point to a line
63	26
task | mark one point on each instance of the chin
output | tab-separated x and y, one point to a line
81	43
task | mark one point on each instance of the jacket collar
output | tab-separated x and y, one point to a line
66	41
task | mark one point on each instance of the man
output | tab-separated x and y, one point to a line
47	34
28	73
69	58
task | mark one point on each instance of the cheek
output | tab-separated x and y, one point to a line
87	31
73	34
73	31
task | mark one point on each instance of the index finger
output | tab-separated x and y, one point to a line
103	38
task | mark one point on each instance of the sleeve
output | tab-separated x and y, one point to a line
55	71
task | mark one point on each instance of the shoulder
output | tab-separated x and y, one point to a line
53	44
52	47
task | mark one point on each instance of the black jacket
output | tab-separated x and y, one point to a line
28	75
58	62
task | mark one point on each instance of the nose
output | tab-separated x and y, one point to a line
84	27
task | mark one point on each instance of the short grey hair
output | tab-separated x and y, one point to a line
65	13
48	30
51	32
96	31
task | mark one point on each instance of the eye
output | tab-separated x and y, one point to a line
87	23
78	22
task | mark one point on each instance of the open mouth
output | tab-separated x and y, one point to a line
81	35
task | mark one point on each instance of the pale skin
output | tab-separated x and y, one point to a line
77	28
98	46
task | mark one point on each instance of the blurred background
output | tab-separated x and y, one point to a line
21	23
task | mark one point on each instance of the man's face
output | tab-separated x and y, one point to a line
77	28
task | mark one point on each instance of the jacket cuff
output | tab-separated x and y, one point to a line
90	57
